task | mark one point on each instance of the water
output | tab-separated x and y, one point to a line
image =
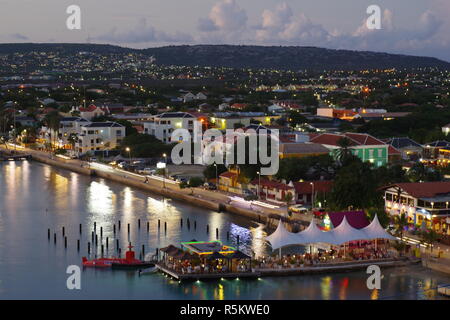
35	197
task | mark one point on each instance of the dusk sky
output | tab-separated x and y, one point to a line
415	27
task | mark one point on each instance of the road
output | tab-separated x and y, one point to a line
263	208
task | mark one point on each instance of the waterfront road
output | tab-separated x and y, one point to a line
260	207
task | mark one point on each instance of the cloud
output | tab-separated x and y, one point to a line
144	33
225	16
18	36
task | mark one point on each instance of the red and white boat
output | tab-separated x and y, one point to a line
129	262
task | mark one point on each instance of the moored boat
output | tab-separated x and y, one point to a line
129	262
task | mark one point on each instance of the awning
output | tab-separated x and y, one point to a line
313	234
375	231
281	237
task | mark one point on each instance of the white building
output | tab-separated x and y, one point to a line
100	136
67	127
163	124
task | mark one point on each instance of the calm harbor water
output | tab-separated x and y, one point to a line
35	197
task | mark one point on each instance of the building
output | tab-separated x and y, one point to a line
409	149
446	129
343	114
299	150
100	136
422	202
233	120
306	189
162	125
68	126
431	149
364	146
272	190
89	112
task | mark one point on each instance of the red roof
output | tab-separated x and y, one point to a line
88	109
357	219
424	189
356	139
330	139
228	174
320	186
269	184
393	151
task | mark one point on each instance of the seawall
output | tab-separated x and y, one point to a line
166	192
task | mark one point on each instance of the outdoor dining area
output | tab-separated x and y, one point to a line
343	244
204	258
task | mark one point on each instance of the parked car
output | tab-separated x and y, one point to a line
149	171
210	186
247	192
299	208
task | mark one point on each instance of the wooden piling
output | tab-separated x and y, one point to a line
80	228
139	223
101	232
207	228
217	233
78	245
119	224
48	233
143	250
148	226
114	228
65	242
89	248
128	228
54	238
63	231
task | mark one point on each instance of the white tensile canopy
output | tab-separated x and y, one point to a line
344	232
313	234
281	237
375	231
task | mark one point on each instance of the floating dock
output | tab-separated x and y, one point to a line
205	276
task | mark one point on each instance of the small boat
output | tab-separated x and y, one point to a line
129	262
149	270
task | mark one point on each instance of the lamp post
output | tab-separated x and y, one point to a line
164	175
312	195
127	149
217	179
259	184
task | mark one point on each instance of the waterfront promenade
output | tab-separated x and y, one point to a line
214	200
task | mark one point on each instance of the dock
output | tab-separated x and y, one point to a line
18	157
206	276
275	272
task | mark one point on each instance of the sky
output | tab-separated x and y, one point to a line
417	27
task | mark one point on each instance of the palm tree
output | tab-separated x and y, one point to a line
344	152
53	120
400	221
429	237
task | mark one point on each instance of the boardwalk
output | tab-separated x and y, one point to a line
204	276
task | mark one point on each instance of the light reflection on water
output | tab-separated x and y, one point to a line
34	197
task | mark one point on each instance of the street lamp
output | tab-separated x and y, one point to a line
217	179
259	185
312	195
127	149
164	175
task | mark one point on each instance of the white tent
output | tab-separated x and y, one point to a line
313	234
281	237
375	231
344	232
